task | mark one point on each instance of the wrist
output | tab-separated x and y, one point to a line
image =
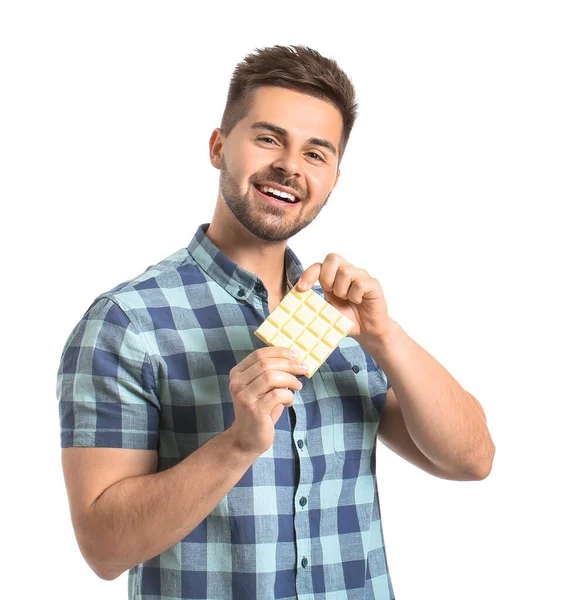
237	448
393	336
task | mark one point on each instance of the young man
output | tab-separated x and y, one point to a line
204	461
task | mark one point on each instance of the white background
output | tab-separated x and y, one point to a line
460	191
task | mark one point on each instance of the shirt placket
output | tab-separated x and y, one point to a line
304	585
298	427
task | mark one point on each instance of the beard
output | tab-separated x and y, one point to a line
265	221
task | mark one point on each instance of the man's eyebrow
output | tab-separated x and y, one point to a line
279	130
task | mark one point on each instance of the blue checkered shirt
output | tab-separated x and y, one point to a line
147	367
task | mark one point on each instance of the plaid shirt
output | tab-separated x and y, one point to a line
147	367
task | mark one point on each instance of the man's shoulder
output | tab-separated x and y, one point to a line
156	283
146	298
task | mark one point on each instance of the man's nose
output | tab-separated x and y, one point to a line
288	161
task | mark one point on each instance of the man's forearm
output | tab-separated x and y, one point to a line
442	418
140	517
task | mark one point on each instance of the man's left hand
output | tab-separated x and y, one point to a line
354	293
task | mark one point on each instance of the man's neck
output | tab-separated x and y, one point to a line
266	260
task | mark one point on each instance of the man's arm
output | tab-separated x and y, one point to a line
394	435
428	414
124	513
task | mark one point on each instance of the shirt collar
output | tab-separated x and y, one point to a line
236	280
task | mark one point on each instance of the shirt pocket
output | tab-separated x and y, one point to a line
351	388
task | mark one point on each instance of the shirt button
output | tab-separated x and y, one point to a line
300	444
304	562
303	501
355	368
258	288
241	292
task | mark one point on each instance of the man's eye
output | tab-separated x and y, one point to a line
270	139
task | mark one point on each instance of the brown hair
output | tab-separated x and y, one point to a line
295	67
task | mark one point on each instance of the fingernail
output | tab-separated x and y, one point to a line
300	284
293	353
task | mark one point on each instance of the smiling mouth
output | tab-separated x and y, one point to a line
274	197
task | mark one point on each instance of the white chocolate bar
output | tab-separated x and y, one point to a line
307	323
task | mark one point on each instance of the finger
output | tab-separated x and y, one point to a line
358	288
284	365
329	269
309	277
270	380
277	396
259	354
344	276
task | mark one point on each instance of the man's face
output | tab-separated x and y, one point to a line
255	154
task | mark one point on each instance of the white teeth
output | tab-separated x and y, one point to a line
279	193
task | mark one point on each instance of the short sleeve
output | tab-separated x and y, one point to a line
378	381
106	384
384	378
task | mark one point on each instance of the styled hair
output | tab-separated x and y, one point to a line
297	68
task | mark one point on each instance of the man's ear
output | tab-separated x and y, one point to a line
216	147
336	180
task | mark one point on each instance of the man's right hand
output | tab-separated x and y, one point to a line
258	389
